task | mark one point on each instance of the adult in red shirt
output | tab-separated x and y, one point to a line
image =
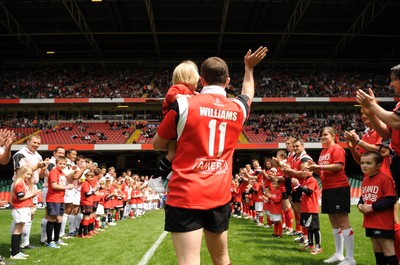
370	141
296	170
386	123
377	202
206	127
335	195
57	183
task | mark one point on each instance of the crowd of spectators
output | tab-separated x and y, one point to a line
302	125
51	82
111	82
315	83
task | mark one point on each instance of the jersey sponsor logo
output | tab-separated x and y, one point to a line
325	157
218	103
210	166
218	113
370	193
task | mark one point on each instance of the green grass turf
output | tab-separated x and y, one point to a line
128	242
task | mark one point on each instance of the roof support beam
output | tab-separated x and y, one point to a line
8	21
392	53
366	17
223	23
297	15
77	16
152	21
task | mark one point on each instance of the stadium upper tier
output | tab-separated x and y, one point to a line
105	82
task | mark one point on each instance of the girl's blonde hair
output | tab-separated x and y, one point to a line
20	177
186	73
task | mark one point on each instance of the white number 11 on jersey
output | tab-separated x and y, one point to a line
222	128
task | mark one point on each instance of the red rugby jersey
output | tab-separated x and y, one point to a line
309	203
21	187
58	177
207	128
171	94
372	190
333	179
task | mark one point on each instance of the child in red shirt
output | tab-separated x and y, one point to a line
378	197
184	79
275	196
88	192
21	200
309	212
55	202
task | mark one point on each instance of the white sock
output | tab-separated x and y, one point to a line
43	233
338	238
71	223
348	236
26	232
78	220
127	210
63	224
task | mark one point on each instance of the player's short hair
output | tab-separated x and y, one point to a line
214	71
395	72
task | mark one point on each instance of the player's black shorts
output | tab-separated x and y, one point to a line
309	220
288	186
296	195
55	208
95	205
335	200
284	196
185	220
86	209
379	233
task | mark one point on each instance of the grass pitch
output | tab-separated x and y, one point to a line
128	242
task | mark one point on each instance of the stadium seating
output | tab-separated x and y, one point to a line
76	132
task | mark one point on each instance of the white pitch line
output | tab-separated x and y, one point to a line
153	249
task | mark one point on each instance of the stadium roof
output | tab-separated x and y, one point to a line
149	32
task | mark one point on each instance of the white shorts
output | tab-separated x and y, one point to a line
69	196
133	206
100	209
77	197
22	215
276	217
258	206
